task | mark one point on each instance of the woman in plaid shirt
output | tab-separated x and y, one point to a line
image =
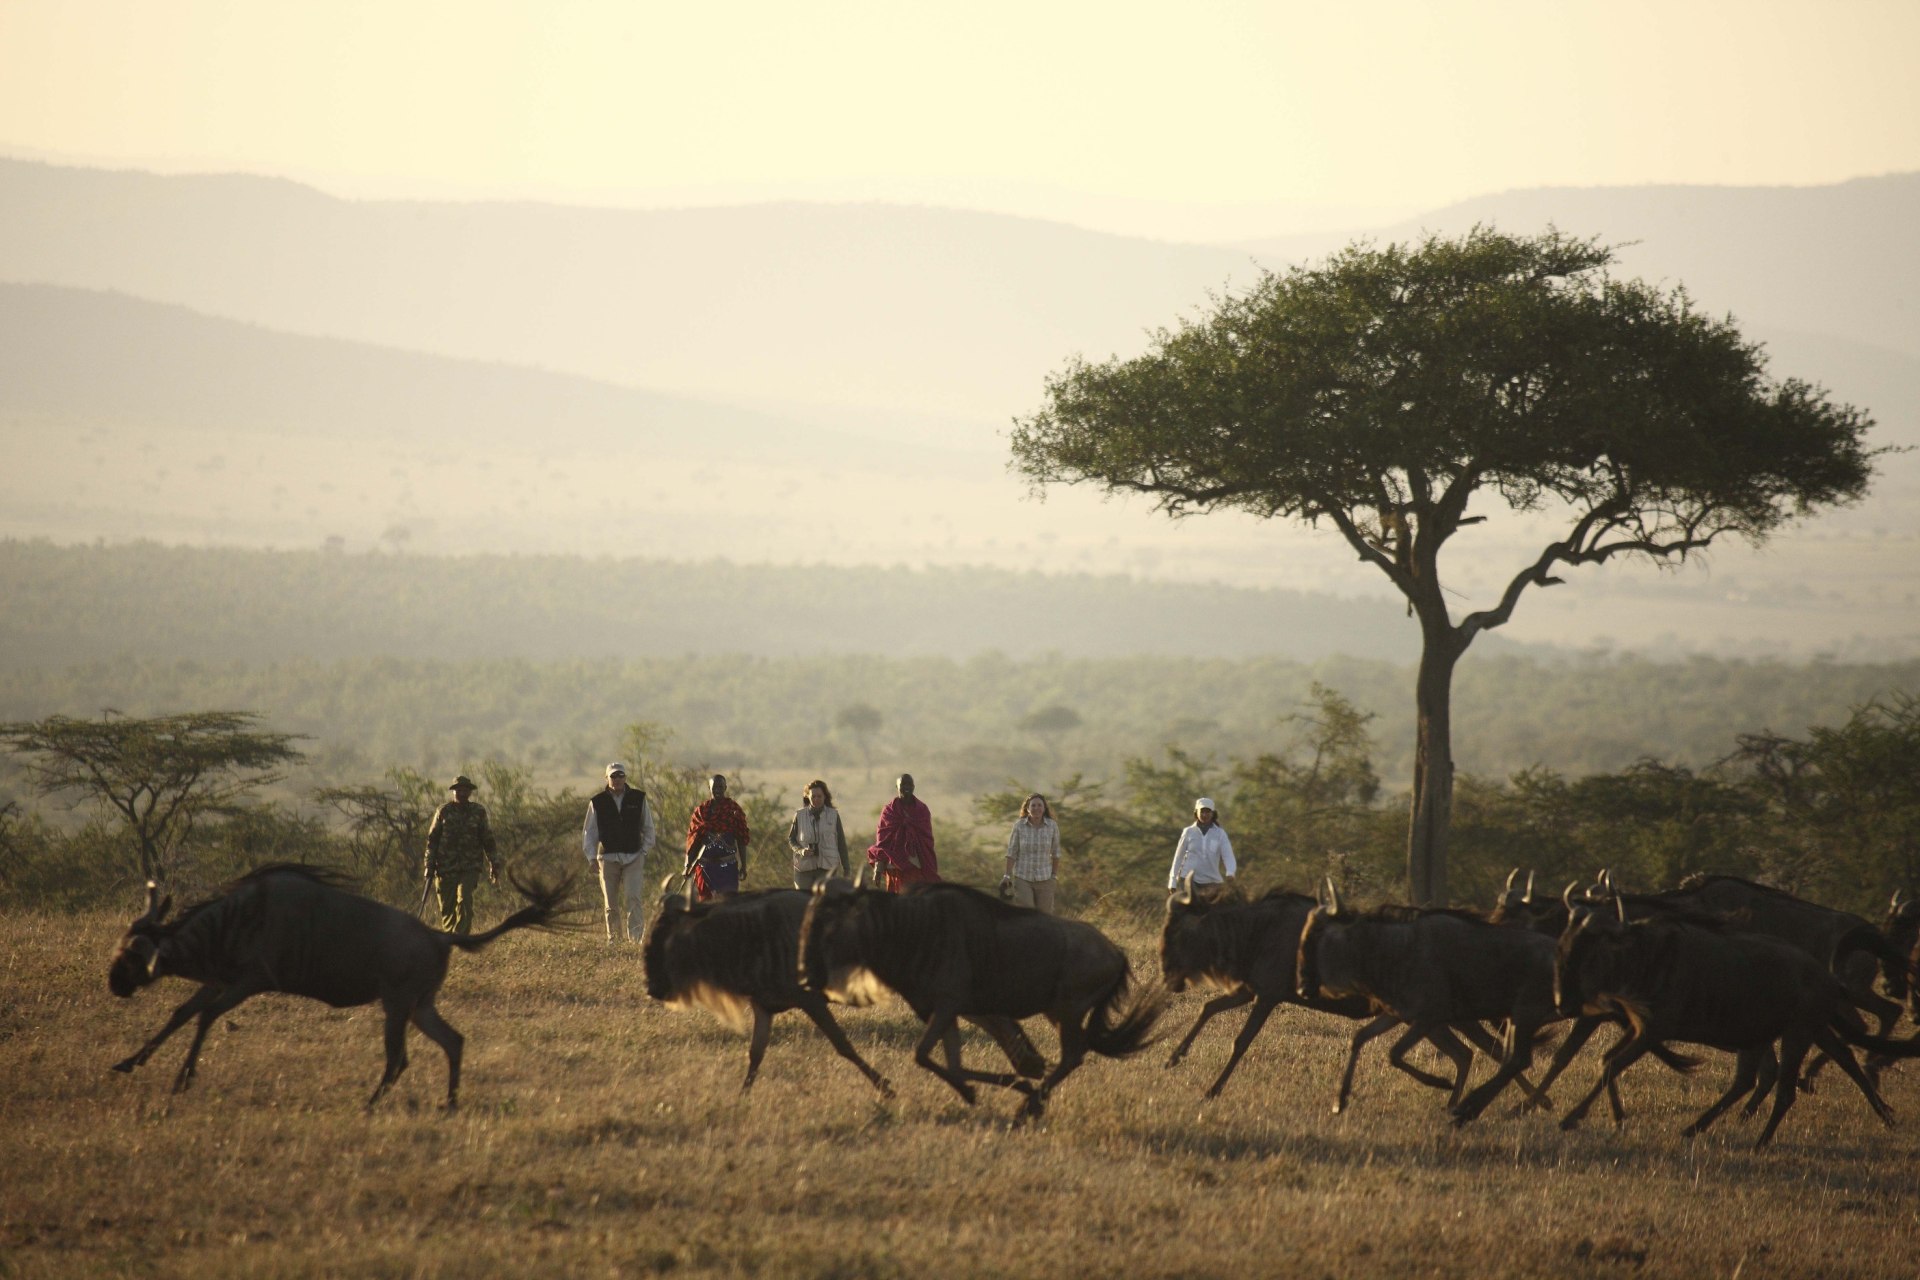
1033	855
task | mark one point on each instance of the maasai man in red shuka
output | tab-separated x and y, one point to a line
902	850
715	867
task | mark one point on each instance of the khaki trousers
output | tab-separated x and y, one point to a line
1037	894
622	886
454	890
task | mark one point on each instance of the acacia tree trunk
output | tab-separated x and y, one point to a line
1432	813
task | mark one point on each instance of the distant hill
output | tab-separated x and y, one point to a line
1839	260
73	604
930	310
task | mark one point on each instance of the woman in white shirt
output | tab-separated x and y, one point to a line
1204	852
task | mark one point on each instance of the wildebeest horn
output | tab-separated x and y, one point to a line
1511	877
1620	907
1606	877
1898	900
156	907
1185	897
1528	895
1333	897
1566	896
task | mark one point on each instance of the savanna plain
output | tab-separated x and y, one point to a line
603	1134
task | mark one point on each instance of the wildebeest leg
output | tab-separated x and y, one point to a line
1837	1049
1378	1027
1477	1036
1793	1051
1618	1059
1769	1073
1263	1008
757	1044
1219	1004
397	1014
1073	1051
1746	1069
210	1012
1449	1046
189	1008
1014	1042
939	1026
822	1017
1577	1036
451	1042
1519	1056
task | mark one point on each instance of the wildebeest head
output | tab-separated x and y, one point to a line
1309	969
834	936
1186	946
136	961
1903	919
675	910
1591	959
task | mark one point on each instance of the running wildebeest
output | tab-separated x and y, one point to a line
1698	981
738	957
1775	913
298	929
1548	916
1434	968
1248	950
951	951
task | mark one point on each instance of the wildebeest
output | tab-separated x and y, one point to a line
951	951
1699	982
298	929
1434	968
737	956
1248	950
1775	913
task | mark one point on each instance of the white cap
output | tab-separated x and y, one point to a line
616	767
1203	803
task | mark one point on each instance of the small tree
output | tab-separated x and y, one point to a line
1391	389
862	721
159	776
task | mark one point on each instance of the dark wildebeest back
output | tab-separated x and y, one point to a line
951	951
298	930
1697	981
1434	968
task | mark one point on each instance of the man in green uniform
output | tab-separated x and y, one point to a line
459	842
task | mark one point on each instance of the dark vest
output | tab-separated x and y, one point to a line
619	827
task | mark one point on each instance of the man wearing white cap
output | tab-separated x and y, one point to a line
618	835
1204	852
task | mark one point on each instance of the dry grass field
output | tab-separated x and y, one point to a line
604	1135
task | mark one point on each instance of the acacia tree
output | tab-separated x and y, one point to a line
1392	389
159	775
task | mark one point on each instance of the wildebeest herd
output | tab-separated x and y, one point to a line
1719	962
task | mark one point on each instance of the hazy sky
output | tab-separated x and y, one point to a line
1191	120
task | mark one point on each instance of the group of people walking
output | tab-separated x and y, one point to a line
619	833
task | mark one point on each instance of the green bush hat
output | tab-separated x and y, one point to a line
462	781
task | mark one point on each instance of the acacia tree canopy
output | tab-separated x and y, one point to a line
159	775
1391	389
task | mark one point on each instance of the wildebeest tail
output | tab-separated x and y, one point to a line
1122	1024
1852	1034
546	905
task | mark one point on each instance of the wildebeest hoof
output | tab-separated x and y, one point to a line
1569	1124
125	1066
